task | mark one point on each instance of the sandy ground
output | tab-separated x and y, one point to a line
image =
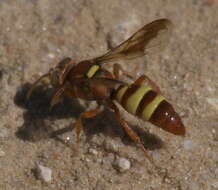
36	35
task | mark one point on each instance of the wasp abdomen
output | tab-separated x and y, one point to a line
166	117
148	105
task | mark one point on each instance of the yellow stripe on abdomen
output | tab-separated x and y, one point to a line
151	107
120	93
91	72
134	100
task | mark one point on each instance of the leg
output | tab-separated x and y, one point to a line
129	131
151	83
139	81
56	97
116	71
85	115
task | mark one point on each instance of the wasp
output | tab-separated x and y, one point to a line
88	80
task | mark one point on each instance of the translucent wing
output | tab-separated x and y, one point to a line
150	38
108	82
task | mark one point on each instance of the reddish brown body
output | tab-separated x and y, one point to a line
168	119
89	81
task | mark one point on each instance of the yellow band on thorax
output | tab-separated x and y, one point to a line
91	72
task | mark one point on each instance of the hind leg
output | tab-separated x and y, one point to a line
117	69
140	81
130	132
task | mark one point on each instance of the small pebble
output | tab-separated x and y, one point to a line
216	172
2	153
215	184
44	173
51	55
93	151
87	160
3	132
111	145
213	102
122	164
44	28
108	160
215	133
188	144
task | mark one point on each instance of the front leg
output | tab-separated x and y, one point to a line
56	96
85	115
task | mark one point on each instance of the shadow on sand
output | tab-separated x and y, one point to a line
38	119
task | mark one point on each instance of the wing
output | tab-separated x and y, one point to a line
150	38
111	83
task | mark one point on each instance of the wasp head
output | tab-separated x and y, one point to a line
54	75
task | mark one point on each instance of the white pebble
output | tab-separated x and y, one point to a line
51	55
108	160
93	151
44	28
188	144
216	171
213	102
215	184
44	173
4	132
111	145
122	164
2	153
